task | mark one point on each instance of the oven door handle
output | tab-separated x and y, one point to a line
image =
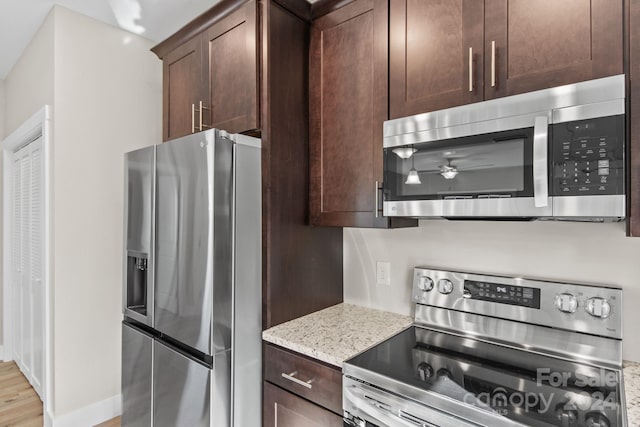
541	162
380	411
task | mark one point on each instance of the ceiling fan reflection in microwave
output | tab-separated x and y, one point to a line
448	171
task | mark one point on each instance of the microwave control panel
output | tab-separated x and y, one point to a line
588	157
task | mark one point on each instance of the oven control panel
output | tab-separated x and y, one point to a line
588	157
501	293
585	308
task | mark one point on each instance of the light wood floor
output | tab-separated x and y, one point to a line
19	403
20	406
111	423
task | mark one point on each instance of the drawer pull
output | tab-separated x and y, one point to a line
292	377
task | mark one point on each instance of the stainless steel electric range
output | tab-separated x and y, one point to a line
494	351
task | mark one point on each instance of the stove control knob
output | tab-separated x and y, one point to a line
598	307
425	371
444	373
566	303
425	283
596	419
567	414
445	286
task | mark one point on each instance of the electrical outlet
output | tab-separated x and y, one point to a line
383	273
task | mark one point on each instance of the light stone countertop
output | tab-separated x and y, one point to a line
632	392
337	333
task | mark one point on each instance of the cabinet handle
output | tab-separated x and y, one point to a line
470	69
292	377
202	107
493	63
376	198
193	118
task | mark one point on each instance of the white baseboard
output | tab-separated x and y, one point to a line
89	415
2	354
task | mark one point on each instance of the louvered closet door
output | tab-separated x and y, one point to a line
16	282
28	260
25	181
36	264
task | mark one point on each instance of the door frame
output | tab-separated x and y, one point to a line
38	125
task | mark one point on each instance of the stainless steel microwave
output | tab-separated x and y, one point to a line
551	154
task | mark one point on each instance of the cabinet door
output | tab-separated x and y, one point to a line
284	409
436	54
183	88
233	71
348	104
532	45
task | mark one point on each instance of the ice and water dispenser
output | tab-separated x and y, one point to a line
138	263
137	273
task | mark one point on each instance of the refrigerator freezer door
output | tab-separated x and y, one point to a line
181	390
139	229
137	360
193	241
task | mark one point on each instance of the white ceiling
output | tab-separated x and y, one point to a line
153	19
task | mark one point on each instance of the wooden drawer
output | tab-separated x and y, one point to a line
288	370
284	409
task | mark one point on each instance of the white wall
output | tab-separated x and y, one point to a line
2	96
592	253
108	101
27	88
1	138
105	88
29	84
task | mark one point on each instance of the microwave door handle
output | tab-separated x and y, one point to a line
540	162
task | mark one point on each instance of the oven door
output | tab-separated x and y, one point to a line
499	174
367	406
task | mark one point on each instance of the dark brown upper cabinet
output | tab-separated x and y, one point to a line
437	54
445	53
247	61
183	88
532	45
211	80
232	71
348	81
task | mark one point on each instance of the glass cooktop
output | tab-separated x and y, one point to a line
522	386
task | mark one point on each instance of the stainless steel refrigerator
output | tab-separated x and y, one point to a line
191	345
